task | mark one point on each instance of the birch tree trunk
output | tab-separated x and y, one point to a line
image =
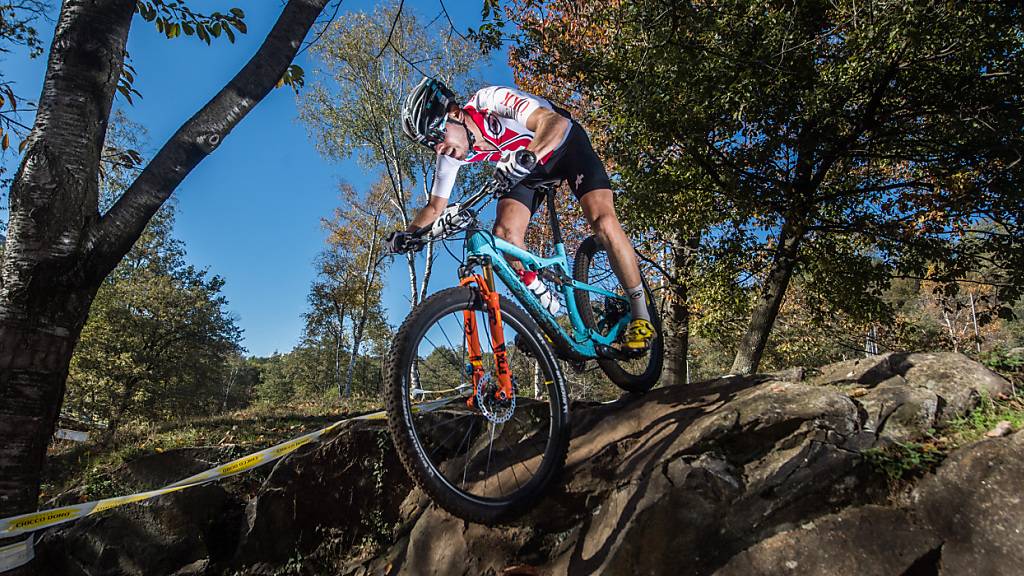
369	277
428	267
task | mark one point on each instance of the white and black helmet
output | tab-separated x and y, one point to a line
425	111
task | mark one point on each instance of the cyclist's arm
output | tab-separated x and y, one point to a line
429	213
445	171
549	128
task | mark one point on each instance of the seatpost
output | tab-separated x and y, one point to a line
556	231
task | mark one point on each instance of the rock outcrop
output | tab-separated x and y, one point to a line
763	474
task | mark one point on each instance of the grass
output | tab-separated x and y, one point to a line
985	417
80	472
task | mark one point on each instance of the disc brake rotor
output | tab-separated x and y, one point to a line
495	409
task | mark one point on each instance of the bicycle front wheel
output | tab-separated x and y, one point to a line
489	460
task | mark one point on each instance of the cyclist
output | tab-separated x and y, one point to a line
496	122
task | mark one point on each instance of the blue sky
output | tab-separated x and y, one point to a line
251	211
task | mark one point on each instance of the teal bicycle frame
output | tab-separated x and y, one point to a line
582	343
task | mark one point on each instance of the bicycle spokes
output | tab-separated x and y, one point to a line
483	433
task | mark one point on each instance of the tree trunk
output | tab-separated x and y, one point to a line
34	362
677	325
228	386
339	312
118	415
58	248
428	266
357	338
337	365
748	356
44	290
369	277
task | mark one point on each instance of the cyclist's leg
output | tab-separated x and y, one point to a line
513	214
599	210
510	221
589	183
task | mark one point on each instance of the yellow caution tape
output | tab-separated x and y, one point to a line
37	520
34	521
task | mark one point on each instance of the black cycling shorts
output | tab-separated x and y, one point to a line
575	162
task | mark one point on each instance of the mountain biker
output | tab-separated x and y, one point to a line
491	126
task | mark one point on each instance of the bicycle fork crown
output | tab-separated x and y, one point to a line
504	391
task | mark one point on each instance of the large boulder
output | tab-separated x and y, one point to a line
965	519
905	394
344	491
161	536
868	541
955	378
696	473
974	504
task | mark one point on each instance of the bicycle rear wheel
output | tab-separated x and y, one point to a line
490	461
591	266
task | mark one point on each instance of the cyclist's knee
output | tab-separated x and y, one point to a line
509	234
606	227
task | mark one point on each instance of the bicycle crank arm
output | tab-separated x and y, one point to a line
605	351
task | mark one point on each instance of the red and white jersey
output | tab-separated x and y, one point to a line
500	113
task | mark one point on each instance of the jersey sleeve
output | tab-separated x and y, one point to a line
445	171
509	102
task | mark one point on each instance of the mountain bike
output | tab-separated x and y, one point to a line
477	404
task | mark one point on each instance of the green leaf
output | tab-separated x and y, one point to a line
188	29
230	34
240	26
215	30
237	12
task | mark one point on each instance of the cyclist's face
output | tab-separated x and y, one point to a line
455	143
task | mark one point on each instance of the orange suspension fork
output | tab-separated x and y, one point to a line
501	367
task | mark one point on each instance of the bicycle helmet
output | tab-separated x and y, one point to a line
425	112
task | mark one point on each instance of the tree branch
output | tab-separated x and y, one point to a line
118	229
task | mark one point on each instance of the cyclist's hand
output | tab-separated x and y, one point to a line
514	166
397	242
